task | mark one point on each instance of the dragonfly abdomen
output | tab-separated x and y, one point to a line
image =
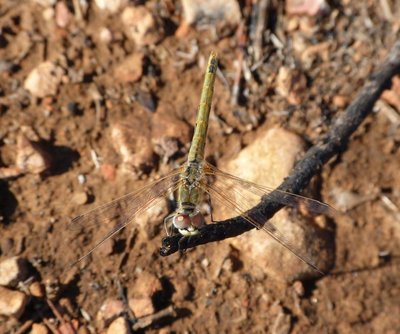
196	152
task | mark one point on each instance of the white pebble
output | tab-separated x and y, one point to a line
12	271
44	79
81	179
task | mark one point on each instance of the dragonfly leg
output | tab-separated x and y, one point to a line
181	243
211	208
168	226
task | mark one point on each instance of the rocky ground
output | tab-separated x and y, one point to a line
99	98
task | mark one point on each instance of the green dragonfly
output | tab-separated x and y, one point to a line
191	182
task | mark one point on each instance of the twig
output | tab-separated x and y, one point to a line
77	10
27	324
128	312
261	21
52	328
327	146
68	327
242	41
150	319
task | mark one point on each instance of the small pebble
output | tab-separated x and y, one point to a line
80	198
205	262
340	101
146	285
44	79
130	69
140	25
224	12
37	289
105	35
48	14
13	270
81	178
12	303
111	308
141	306
119	326
140	295
298	288
131	141
63	15
39	329
291	84
228	265
108	171
31	157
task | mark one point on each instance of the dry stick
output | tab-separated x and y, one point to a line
150	319
327	146
28	324
261	21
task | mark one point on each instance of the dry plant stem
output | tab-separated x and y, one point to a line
327	146
24	328
262	10
150	319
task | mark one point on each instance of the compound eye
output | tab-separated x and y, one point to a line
181	221
198	220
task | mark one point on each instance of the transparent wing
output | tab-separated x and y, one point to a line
240	196
259	192
122	208
122	211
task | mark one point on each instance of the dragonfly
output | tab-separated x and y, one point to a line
190	183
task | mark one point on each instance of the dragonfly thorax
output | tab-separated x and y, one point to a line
192	174
188	221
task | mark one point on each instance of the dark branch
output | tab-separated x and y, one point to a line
327	146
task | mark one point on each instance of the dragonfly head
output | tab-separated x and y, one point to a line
188	223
